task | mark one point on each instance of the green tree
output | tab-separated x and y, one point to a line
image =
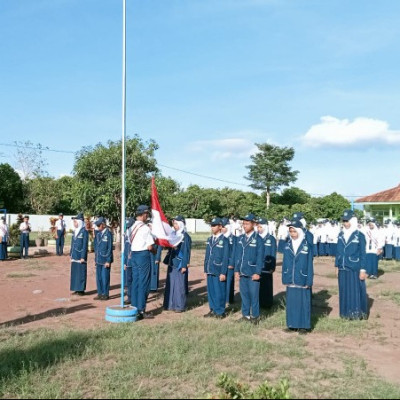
64	188
98	177
290	196
30	160
270	169
11	193
41	195
332	206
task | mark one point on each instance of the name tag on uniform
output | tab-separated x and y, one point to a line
355	241
80	236
105	239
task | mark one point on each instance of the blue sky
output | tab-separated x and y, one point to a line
206	80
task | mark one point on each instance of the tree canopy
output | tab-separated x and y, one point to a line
11	193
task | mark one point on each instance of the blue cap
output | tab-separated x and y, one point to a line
180	218
142	209
373	220
79	216
129	222
388	221
225	221
100	221
298	215
262	221
250	217
347	215
216	221
295	224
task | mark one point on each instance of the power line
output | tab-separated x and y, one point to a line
164	166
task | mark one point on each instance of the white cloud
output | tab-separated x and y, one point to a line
334	132
225	148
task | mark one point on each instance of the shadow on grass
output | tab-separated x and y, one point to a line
43	354
55	312
380	272
320	306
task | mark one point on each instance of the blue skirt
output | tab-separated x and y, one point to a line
353	299
298	308
175	290
281	246
266	290
397	253
78	277
155	274
332	249
3	251
389	251
315	247
372	261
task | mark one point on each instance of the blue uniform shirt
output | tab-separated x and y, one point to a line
352	254
297	268
79	245
249	255
103	247
217	256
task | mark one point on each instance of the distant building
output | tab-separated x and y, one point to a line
382	205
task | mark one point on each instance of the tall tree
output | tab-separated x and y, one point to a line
11	194
41	195
97	172
29	160
270	169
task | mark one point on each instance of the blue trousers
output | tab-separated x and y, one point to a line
389	251
230	286
141	269
24	243
60	243
155	274
3	251
250	293
103	280
128	282
397	253
216	294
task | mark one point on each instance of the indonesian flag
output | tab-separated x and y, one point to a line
160	226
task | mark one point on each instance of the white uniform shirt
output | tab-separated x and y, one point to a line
374	240
23	227
397	236
60	225
283	232
143	237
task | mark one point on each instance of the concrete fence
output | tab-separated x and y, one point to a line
42	223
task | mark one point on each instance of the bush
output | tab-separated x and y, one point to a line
235	390
15	232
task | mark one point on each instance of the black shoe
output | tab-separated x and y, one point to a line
139	317
179	311
105	297
304	331
289	330
255	321
98	297
81	293
127	302
209	314
220	316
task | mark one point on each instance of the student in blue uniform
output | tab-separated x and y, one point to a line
127	261
103	250
216	268
60	238
266	281
178	260
397	241
155	268
78	254
249	262
141	246
230	277
350	267
298	275
299	216
3	239
25	229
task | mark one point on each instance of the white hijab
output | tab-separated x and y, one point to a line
353	227
297	242
228	231
265	231
177	236
80	226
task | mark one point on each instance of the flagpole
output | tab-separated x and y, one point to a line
123	195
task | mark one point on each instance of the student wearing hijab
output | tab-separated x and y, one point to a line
298	275
230	277
141	245
3	239
266	281
299	216
374	246
103	250
389	233
178	260
216	268
78	254
249	262
350	266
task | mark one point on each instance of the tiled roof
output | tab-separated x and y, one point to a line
387	196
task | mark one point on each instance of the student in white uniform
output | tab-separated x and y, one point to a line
25	228
374	248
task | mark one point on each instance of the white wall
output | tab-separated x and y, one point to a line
42	223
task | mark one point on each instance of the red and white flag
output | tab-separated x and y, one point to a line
160	226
